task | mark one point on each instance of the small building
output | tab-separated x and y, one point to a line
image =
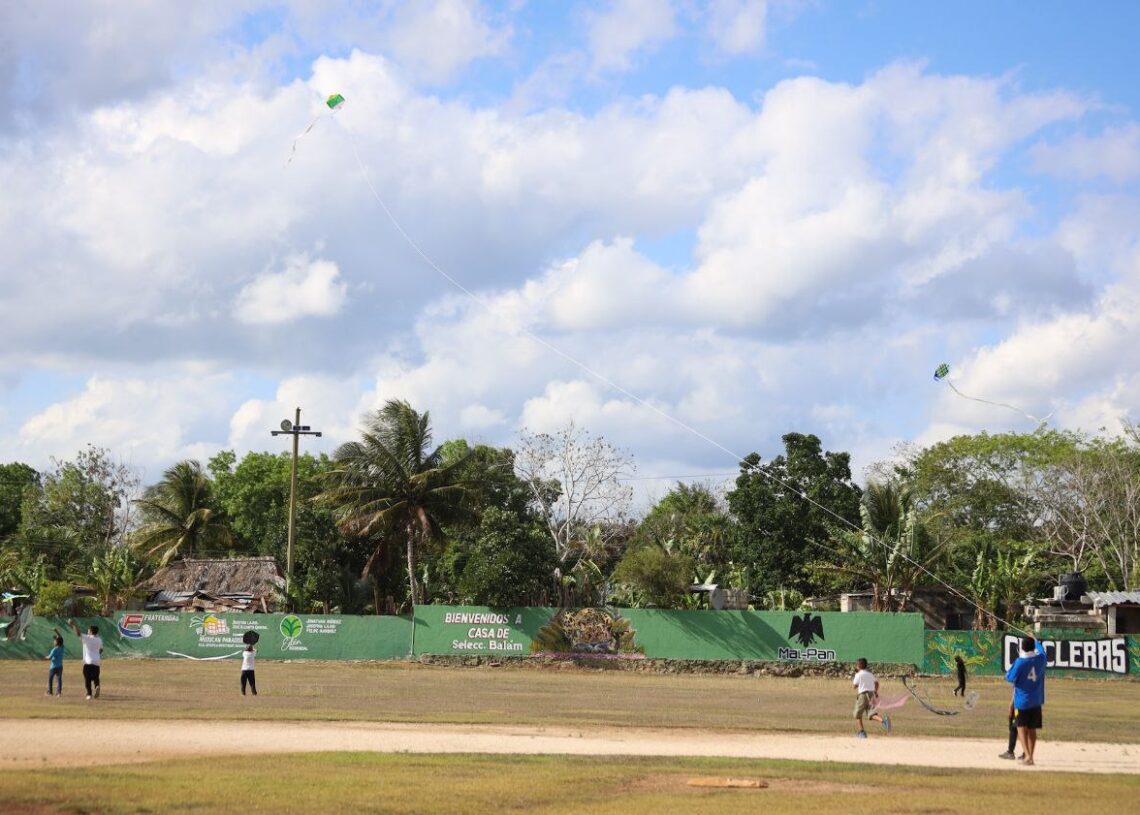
940	607
250	584
1120	610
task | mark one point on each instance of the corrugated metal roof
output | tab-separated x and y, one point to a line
1100	599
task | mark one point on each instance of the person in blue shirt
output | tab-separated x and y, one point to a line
55	669
1027	675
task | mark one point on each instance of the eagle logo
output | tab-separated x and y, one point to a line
806	629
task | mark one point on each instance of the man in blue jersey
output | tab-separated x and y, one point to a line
1027	675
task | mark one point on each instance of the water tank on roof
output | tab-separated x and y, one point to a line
1073	587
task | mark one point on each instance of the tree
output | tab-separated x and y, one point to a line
254	495
892	552
113	574
391	483
575	486
1091	509
693	518
180	515
657	575
787	509
78	509
1001	579
986	486
15	480
510	563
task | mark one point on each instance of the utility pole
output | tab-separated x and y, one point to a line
296	430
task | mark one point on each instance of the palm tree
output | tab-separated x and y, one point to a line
180	515
892	551
391	484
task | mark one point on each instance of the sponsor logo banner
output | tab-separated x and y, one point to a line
132	627
1109	655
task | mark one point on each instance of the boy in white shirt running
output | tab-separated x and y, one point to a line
867	688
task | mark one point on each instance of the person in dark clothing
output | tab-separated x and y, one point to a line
960	666
1009	754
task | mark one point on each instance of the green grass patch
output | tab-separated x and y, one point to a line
458	784
1076	710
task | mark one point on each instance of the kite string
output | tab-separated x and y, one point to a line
642	402
1029	416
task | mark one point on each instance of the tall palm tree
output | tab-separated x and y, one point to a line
892	551
390	483
180	515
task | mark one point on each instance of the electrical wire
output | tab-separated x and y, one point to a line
605	380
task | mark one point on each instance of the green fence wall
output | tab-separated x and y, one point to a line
450	630
768	635
982	651
201	636
602	633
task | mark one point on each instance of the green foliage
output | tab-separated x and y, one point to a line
780	531
77	508
181	515
254	495
691	519
511	563
15	479
113	574
1004	577
54	599
392	485
783	600
656	576
891	553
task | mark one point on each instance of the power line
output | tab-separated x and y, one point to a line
605	380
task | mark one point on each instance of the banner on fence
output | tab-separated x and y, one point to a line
990	653
1108	655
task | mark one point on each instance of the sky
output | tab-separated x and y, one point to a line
688	226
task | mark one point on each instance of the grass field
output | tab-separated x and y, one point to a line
399	783
456	785
1076	710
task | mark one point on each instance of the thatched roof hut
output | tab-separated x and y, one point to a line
230	584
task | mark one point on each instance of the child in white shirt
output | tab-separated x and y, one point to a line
248	656
867	688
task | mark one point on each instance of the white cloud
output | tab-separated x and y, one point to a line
436	39
143	420
627	27
795	262
1113	154
329	405
304	288
737	26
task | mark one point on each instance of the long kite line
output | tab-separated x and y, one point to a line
942	373
642	402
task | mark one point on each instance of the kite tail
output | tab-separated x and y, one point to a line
891	703
305	132
204	659
1015	409
919	697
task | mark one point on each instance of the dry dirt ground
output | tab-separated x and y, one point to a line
33	743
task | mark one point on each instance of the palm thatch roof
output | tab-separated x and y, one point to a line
241	584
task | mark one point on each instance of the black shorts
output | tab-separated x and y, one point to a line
1030	717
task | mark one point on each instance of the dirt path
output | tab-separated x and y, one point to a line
82	742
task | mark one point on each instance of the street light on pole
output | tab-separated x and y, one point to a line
296	430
